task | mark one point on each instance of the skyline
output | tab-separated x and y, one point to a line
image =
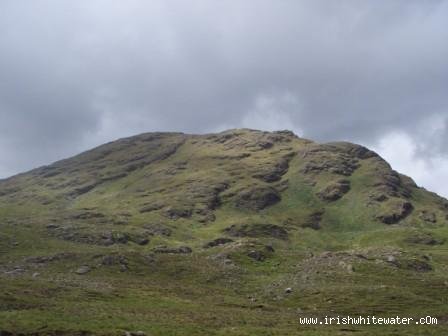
76	75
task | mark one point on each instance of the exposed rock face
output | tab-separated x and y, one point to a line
256	255
152	207
334	190
396	210
424	239
351	149
323	158
428	216
411	264
260	253
176	213
257	230
114	259
273	172
313	220
158	229
257	198
306	217
173	250
105	238
218	242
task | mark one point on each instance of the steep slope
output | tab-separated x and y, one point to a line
236	233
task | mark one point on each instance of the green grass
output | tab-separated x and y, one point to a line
341	268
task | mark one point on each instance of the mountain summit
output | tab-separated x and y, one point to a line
234	233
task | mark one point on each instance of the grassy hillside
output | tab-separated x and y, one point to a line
237	233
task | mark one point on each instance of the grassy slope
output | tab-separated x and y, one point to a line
341	268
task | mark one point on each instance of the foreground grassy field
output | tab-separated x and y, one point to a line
237	233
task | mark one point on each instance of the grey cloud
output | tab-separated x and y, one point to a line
75	74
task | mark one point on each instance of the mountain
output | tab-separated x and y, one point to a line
242	232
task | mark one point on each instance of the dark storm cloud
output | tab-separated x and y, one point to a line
76	73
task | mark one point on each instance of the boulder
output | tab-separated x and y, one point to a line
83	270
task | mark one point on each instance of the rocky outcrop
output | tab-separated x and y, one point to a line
173	250
313	220
158	229
257	230
394	211
218	242
273	172
351	149
334	190
424	239
257	198
428	216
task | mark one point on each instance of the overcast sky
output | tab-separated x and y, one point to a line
75	74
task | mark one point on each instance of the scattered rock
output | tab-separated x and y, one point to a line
288	290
